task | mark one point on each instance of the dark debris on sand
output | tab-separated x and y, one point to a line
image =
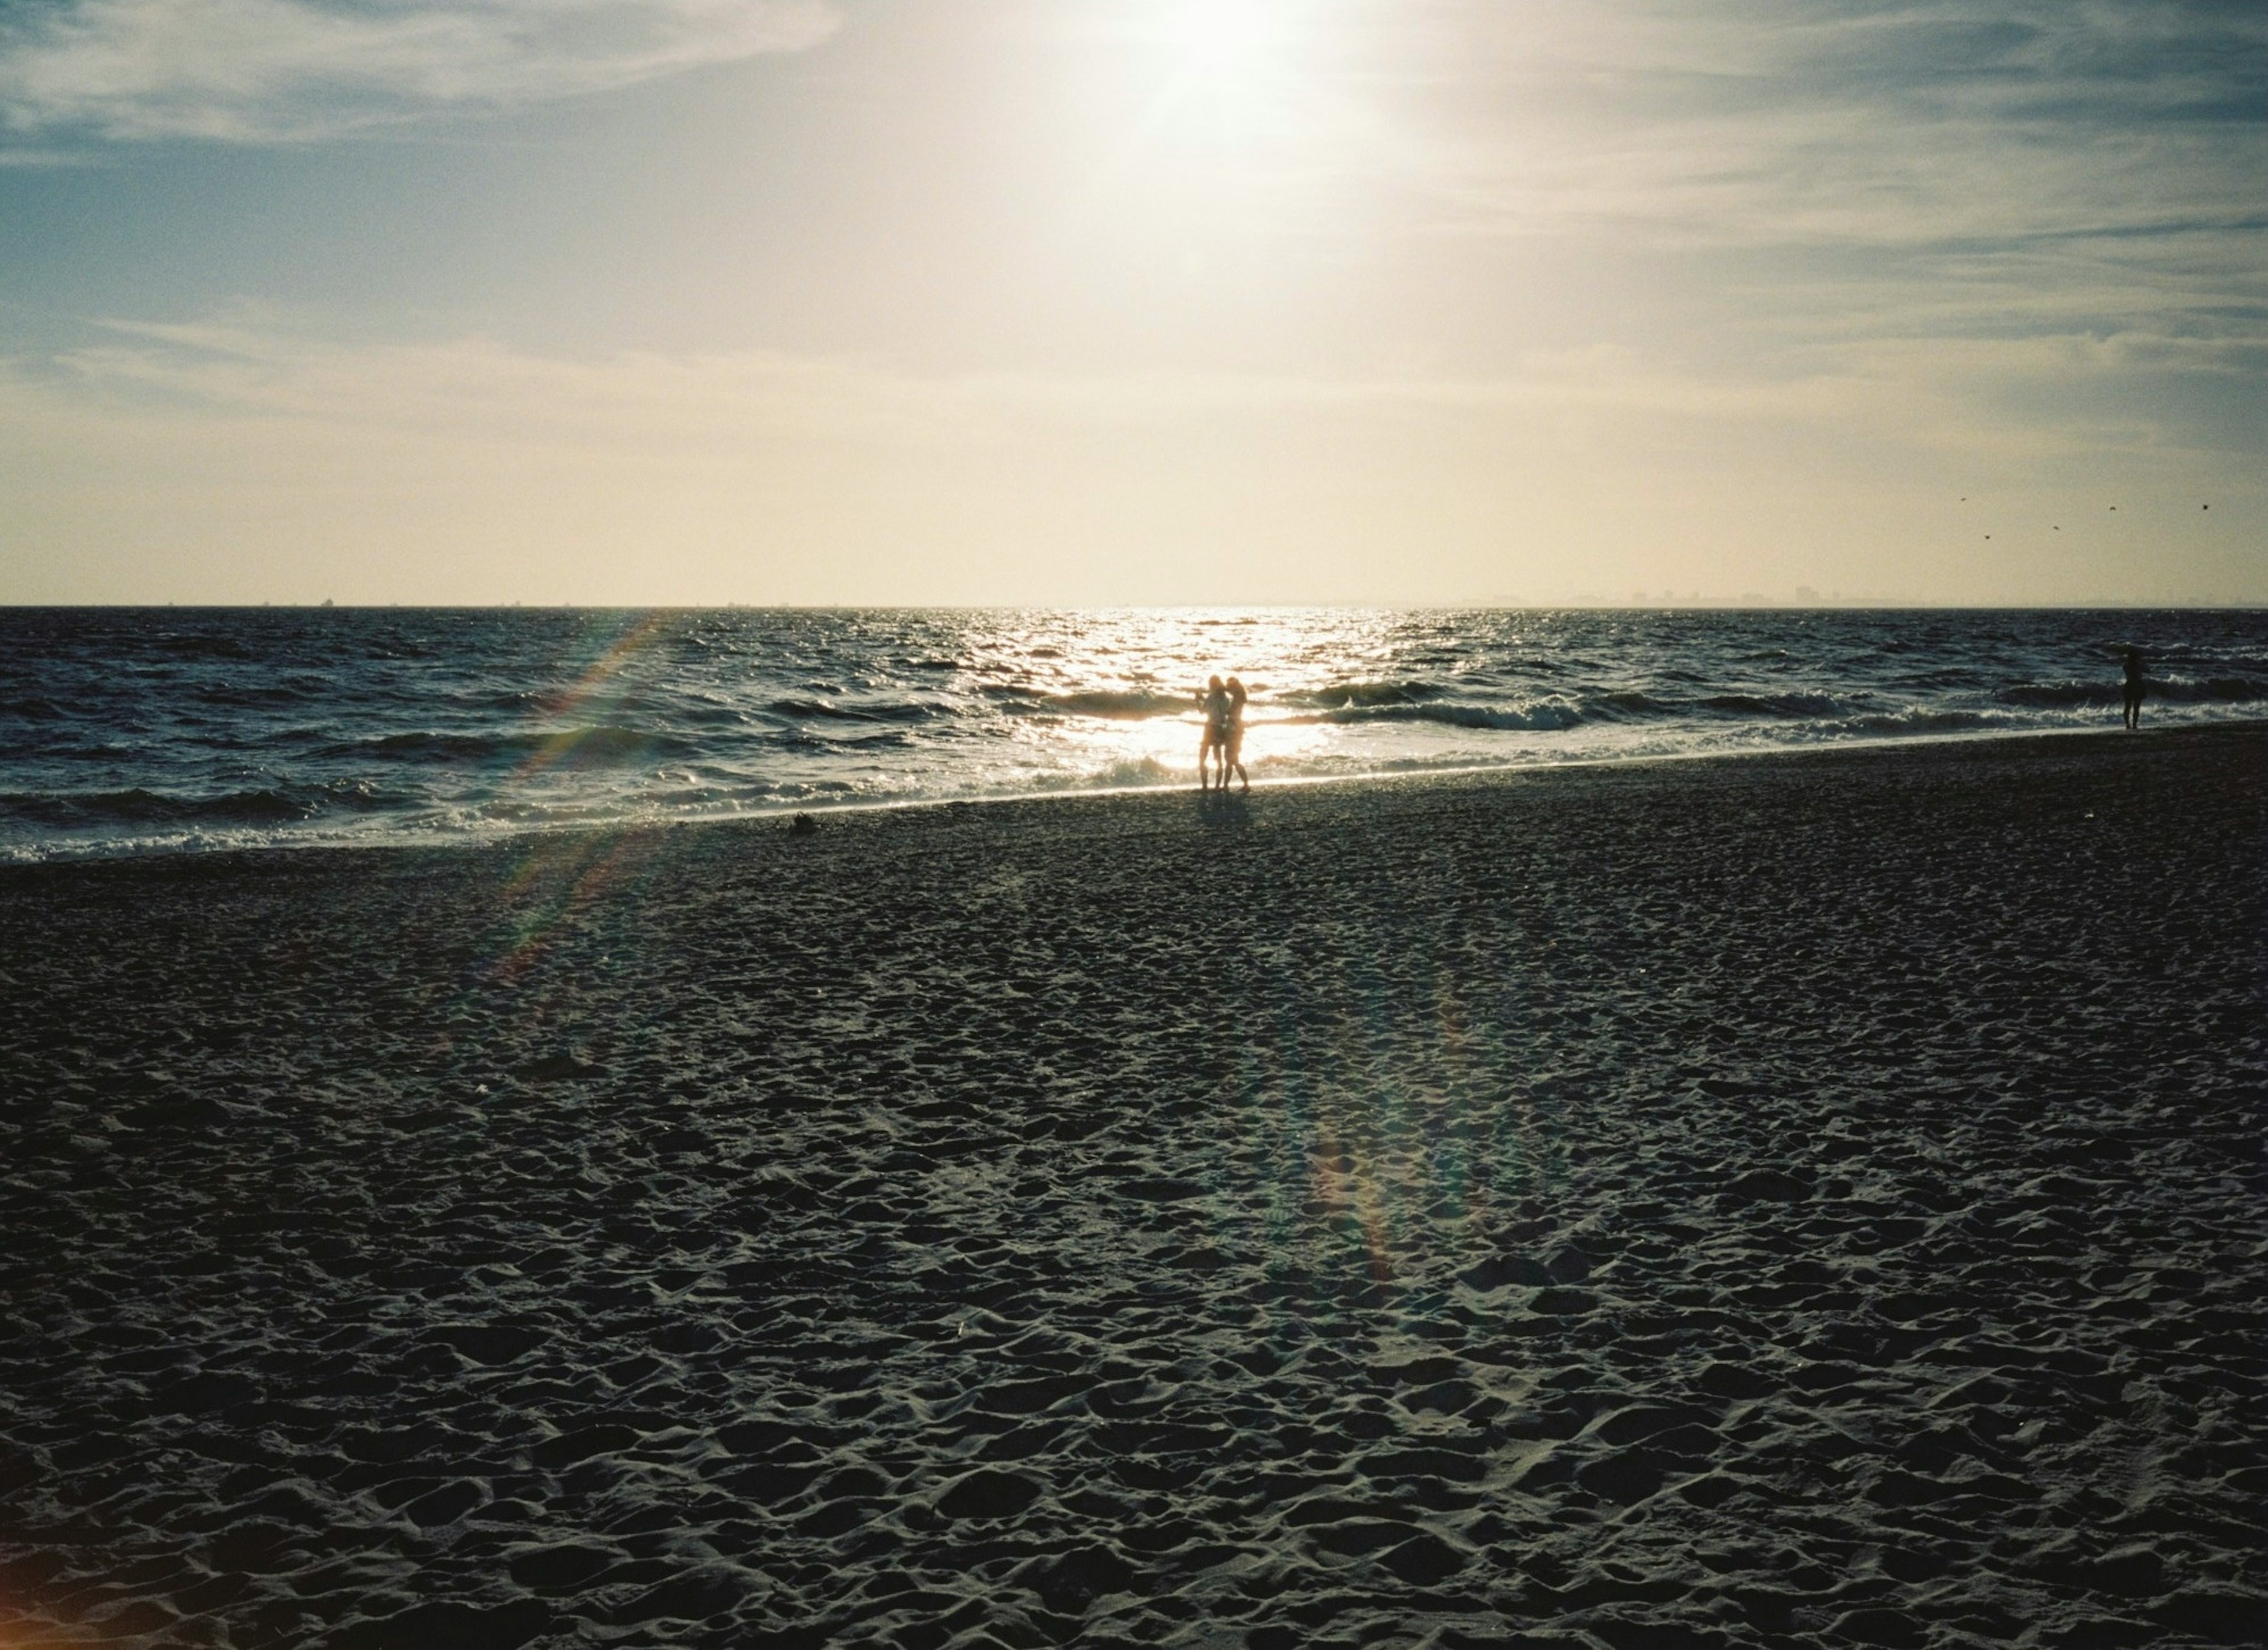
1792	1201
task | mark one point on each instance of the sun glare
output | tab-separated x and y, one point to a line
1224	36
1233	73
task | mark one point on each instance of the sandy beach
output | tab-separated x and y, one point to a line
1806	1199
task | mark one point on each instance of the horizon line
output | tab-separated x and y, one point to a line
1728	605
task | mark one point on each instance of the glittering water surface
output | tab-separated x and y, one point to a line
126	729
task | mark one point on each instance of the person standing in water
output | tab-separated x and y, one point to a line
2133	687
1214	746
1231	750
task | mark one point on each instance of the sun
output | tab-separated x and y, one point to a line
1232	79
1226	37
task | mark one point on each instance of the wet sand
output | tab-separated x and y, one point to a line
1794	1200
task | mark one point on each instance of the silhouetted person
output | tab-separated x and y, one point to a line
1214	746
1231	751
2133	687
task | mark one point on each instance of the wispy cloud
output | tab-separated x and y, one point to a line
1935	393
1885	124
1833	182
267	71
470	470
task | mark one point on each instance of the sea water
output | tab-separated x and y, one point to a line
137	730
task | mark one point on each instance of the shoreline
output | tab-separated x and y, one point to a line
504	836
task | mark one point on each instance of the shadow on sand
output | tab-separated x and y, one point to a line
1223	810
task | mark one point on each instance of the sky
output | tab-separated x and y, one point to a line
1133	301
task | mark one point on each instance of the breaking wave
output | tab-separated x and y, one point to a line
1544	716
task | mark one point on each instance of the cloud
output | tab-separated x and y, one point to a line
269	70
1773	122
2084	395
231	459
1815	185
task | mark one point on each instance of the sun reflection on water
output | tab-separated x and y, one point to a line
362	726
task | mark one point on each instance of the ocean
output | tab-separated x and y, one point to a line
178	729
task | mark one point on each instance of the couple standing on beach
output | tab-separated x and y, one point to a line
1222	748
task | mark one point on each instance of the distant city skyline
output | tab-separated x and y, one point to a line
911	302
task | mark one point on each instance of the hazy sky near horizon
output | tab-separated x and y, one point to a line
913	301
